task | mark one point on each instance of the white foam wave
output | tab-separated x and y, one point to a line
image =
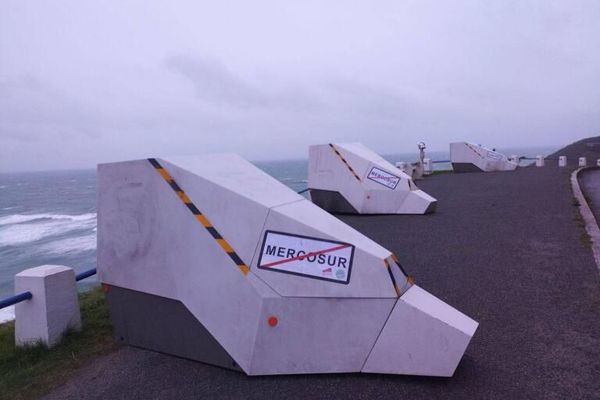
20	228
7	314
72	245
21	218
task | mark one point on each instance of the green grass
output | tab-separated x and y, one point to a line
29	372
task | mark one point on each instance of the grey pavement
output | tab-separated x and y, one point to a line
504	248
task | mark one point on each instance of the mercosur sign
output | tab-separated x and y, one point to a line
306	256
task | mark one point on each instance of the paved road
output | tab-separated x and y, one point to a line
503	248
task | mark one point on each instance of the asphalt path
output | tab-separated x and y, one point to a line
504	248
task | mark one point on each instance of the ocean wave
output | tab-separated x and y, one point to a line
77	244
7	314
21	218
20	229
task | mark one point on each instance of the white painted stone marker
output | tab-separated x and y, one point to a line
539	161
582	161
427	166
562	161
53	309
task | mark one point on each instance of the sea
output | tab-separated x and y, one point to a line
50	217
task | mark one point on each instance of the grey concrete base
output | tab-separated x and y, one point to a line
53	309
164	325
332	201
465	167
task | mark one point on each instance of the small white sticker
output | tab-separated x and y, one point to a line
494	156
384	178
306	256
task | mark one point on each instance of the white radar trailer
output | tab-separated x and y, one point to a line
350	178
469	157
211	259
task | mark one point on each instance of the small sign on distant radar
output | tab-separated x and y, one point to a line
494	156
306	256
384	178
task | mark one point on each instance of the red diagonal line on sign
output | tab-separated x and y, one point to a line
313	253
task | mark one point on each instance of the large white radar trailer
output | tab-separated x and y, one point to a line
350	178
469	157
211	259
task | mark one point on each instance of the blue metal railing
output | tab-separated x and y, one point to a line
9	301
85	274
17	298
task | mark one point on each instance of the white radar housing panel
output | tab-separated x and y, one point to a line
469	157
211	259
351	178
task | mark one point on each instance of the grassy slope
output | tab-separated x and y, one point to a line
29	372
588	147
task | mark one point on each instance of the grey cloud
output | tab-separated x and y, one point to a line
31	108
214	83
105	82
217	84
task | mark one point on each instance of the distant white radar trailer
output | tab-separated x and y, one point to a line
469	157
211	259
351	178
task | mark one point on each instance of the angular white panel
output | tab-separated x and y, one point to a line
469	157
368	276
313	298
137	218
317	335
363	179
423	336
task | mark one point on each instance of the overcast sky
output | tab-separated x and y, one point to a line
83	82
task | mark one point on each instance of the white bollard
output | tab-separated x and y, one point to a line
427	166
539	161
52	310
598	162
582	161
562	161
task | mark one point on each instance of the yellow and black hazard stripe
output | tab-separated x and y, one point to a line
389	269
409	279
474	150
199	216
344	161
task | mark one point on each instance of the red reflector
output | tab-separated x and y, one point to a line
272	320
